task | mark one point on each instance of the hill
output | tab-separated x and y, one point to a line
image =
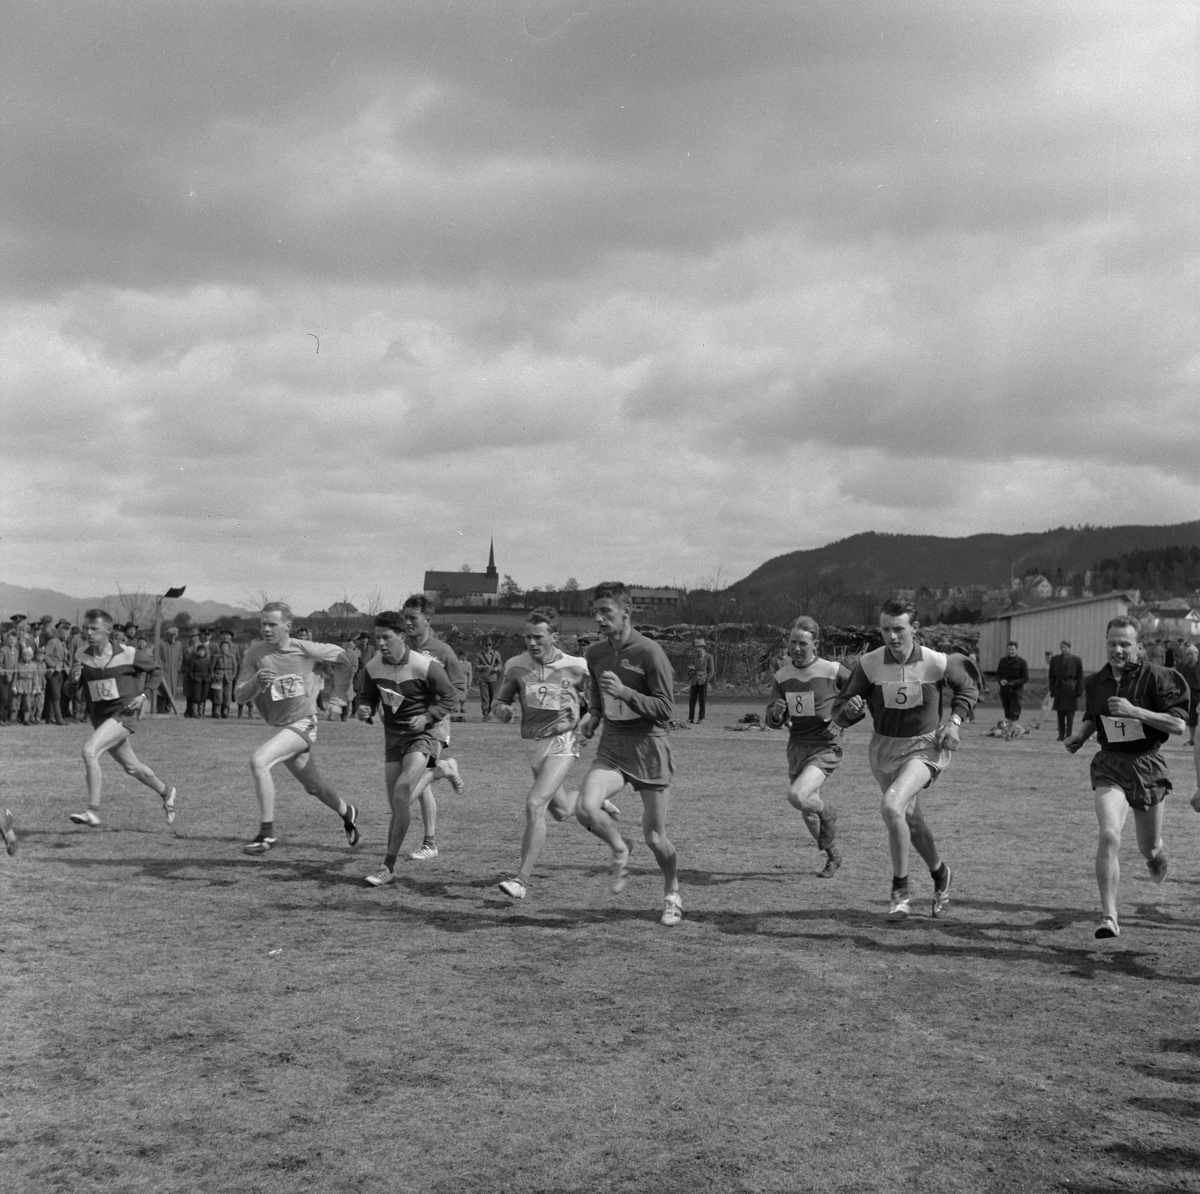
15	599
874	562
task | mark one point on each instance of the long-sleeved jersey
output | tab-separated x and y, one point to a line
809	693
547	691
444	654
1145	685
642	665
292	695
905	699
112	682
418	684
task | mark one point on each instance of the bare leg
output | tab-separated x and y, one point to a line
425	797
547	782
402	781
904	820
109	737
304	768
655	802
1111	810
598	785
287	744
805	795
1148	824
123	753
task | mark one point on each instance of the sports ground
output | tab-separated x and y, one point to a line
178	1017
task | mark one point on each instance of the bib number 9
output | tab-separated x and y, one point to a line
540	695
903	694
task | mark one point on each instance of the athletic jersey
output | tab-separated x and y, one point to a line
112	685
809	693
1146	685
641	664
444	654
292	696
546	690
418	684
905	699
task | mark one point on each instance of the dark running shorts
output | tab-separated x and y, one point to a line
398	743
1143	778
801	754
643	759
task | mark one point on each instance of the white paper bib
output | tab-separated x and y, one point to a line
284	688
903	694
801	704
104	690
1123	729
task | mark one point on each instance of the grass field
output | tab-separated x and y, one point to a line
178	1017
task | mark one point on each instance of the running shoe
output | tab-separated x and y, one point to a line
611	809
10	834
261	845
449	770
941	895
672	909
87	817
350	824
514	888
620	868
1108	928
901	905
380	878
1158	866
834	860
424	853
168	799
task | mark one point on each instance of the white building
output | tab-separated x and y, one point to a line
1082	623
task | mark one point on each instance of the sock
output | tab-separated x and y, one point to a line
389	861
427	841
266	829
899	882
939	876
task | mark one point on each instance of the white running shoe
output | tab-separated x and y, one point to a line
448	769
87	817
620	868
672	909
168	799
611	809
424	853
900	906
514	888
10	834
380	878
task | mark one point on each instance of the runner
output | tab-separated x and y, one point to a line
802	695
548	685
414	694
113	679
10	834
419	633
902	684
1133	707
631	681
278	673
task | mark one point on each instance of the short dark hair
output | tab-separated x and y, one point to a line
897	607
804	622
546	614
613	590
420	602
1065	643
1012	642
97	615
1126	620
388	619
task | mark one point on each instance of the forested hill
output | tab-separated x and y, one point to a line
874	562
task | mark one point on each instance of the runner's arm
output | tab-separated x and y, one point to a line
857	686
445	695
777	715
247	687
659	703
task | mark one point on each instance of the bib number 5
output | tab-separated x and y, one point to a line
903	694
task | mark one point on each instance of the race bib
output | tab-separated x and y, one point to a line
801	704
903	694
617	710
541	695
285	688
103	690
1122	729
392	699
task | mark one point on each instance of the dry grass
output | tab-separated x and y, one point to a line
181	1018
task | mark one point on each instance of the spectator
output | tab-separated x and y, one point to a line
10	659
702	670
55	656
170	659
1012	674
224	673
1066	687
1190	671
197	677
28	688
487	671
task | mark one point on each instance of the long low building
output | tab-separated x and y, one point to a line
1082	623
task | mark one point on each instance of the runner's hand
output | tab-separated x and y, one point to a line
265	677
1073	743
502	712
587	727
610	685
363	712
1120	707
947	736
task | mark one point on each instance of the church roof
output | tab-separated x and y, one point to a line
461	584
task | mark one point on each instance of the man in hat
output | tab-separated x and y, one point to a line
702	669
55	659
487	671
170	659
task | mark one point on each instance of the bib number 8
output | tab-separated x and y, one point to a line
801	704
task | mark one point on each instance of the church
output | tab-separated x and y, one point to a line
449	589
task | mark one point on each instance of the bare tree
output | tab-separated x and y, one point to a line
373	602
136	605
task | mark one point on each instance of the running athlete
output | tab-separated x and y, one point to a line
548	685
113	680
414	694
278	674
902	684
1133	707
419	632
631	682
802	695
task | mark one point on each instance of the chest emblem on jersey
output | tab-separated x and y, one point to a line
632	667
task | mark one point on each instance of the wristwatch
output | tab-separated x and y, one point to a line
955	719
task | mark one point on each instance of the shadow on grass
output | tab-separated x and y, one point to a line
1174	1107
1180	1045
1155	1158
1163	1074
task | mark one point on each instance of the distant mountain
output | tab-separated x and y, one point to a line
874	562
33	603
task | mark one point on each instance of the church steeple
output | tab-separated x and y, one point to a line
491	568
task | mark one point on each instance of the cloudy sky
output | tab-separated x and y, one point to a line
306	298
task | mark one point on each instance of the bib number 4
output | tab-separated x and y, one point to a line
1122	729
